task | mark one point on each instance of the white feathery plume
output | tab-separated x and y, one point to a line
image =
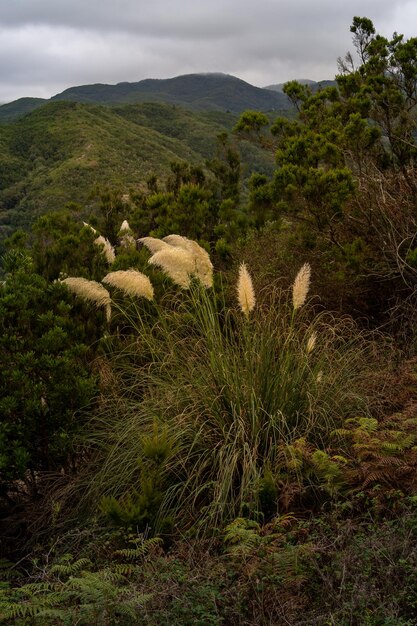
131	282
176	262
178	241
125	226
311	342
91	291
203	267
90	227
301	286
108	249
153	244
128	241
126	237
245	292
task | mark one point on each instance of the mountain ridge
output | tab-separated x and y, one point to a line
198	92
314	85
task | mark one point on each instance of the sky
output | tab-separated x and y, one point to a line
49	45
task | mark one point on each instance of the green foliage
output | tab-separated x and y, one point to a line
204	209
365	573
380	452
139	509
61	245
313	469
44	377
252	122
345	176
242	536
64	151
74	592
387	82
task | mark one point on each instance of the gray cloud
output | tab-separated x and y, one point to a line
48	45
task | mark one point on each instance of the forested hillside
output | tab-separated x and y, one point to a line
196	92
208	387
63	152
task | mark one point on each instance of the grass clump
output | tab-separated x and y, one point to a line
231	396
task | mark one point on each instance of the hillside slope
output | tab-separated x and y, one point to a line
60	152
18	108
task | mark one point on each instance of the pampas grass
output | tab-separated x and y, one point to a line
131	282
107	248
125	227
245	292
181	259
203	267
311	342
228	396
153	244
301	286
177	263
126	237
90	227
91	291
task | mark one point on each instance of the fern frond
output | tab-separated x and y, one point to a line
70	569
125	569
242	535
141	549
44	585
55	614
110	575
130	553
392	447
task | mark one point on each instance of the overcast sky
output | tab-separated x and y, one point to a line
49	45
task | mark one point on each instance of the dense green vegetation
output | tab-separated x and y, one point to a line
196	92
189	444
69	152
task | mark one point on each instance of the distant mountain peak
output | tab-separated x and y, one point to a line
200	91
303	81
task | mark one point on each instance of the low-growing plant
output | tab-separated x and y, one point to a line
75	592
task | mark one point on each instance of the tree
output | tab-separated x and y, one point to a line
345	177
60	243
45	377
384	89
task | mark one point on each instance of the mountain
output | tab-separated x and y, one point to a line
18	108
279	86
61	151
315	85
197	92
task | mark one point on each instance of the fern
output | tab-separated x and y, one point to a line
242	536
382	453
76	594
71	568
141	549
